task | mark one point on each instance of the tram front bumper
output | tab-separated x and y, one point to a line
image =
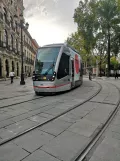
45	87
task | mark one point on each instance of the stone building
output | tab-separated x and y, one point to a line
29	52
10	39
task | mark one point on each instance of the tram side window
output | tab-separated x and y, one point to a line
63	69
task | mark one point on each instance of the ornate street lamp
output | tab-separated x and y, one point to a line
22	25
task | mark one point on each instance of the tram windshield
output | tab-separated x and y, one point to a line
46	60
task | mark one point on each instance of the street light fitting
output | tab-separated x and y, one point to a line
27	25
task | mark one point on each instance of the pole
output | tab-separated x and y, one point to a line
100	62
22	82
108	53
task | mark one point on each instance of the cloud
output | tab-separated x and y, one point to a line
57	14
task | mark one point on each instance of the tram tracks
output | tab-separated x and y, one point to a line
50	120
20	102
5	98
82	156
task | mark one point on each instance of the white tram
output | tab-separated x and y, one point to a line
58	68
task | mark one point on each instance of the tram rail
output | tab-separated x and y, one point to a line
82	156
54	118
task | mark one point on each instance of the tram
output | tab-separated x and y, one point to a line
57	67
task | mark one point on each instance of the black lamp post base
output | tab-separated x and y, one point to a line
22	82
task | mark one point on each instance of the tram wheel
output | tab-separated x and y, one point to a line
37	93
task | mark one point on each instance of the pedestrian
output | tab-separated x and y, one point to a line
90	75
116	75
11	75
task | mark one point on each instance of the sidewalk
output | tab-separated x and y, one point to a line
109	148
10	90
102	78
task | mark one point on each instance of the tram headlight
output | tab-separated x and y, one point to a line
33	78
54	73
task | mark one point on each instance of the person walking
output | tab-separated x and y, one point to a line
116	75
11	75
90	75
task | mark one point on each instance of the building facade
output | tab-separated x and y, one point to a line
10	40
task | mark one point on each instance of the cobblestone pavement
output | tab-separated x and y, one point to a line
60	139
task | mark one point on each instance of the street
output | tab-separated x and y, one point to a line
56	128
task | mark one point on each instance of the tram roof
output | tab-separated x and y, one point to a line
60	44
50	45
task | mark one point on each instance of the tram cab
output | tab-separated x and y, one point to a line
58	68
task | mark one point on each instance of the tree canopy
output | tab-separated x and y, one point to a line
98	28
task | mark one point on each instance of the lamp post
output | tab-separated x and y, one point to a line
23	26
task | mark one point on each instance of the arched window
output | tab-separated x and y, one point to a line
16	26
5	14
11	22
6	37
12	41
16	44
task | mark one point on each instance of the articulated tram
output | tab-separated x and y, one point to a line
58	68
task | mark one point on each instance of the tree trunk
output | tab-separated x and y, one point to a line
108	74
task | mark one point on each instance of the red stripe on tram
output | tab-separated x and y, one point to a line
51	86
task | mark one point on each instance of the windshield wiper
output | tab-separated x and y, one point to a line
51	67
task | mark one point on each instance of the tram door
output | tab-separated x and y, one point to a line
73	73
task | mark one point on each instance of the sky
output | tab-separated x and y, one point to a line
51	21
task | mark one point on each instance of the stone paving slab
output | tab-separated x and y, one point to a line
56	127
6	123
84	127
38	119
40	155
108	150
7	102
54	111
17	112
16	128
33	140
4	116
65	146
11	152
101	113
45	115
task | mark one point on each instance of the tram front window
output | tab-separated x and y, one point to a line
46	60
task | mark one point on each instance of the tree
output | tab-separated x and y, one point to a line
98	22
85	17
114	62
76	41
108	12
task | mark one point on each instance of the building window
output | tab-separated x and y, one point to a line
5	15
12	41
16	44
6	37
11	22
16	27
